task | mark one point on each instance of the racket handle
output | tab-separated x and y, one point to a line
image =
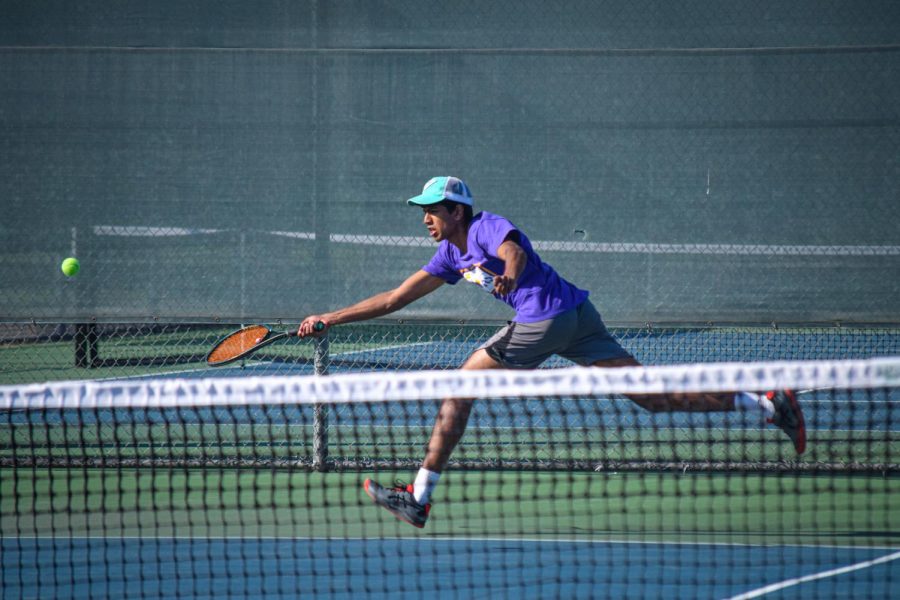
319	326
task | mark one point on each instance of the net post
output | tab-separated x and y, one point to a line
320	411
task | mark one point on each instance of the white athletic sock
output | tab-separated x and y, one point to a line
748	401
424	484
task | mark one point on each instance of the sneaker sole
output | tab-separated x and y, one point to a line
395	515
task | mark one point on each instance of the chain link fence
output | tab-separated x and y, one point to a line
42	352
686	162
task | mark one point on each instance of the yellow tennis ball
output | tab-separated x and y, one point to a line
71	266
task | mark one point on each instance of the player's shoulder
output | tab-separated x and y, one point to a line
489	229
488	220
485	217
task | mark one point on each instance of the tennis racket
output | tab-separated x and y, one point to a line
246	341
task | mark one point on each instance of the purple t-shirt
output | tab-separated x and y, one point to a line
541	293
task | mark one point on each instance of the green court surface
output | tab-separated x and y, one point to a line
683	508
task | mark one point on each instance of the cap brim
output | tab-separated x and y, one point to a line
424	200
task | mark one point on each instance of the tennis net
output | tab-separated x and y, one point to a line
560	487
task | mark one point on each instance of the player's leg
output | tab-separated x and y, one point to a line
779	407
672	402
595	346
410	502
448	429
516	346
453	417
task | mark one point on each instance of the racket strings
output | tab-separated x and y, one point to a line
237	343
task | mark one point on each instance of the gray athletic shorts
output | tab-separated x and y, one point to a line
578	335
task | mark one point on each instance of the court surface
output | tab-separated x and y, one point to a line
478	568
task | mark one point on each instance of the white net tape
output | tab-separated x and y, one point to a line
436	385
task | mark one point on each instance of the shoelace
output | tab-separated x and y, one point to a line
401	492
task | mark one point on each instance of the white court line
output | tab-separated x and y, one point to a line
644	248
163	374
380	349
136	231
259	363
824	574
147	376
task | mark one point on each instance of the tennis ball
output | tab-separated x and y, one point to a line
71	266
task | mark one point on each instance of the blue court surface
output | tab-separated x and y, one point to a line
466	568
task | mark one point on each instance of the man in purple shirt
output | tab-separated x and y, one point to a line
552	317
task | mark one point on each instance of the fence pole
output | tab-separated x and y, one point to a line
85	345
320	411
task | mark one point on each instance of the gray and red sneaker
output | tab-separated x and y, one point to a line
399	501
788	417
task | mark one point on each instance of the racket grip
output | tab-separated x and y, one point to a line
319	326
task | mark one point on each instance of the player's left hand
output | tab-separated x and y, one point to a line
503	284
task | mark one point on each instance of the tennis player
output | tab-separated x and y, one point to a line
553	316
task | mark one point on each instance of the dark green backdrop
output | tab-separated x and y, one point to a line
684	161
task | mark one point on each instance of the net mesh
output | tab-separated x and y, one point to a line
561	486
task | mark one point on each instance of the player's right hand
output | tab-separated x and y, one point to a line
308	326
503	284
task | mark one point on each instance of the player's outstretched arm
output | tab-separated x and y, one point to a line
416	285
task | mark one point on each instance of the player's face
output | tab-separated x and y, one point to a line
441	223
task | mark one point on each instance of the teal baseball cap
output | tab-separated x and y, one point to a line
439	189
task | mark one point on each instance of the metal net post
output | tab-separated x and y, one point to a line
320	411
